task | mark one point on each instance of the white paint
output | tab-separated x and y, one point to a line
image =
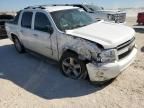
108	34
82	40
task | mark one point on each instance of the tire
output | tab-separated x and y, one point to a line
19	47
72	66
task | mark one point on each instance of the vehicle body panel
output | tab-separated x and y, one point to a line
112	36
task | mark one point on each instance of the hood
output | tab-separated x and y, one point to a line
109	35
111	11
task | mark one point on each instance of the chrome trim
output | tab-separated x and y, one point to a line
125	44
125	47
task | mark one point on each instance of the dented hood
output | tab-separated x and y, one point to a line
110	35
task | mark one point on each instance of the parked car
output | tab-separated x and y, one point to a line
3	19
100	50
99	13
140	18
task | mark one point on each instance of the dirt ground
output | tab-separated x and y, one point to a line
30	81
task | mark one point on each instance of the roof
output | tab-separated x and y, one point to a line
58	8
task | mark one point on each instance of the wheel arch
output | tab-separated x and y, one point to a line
68	50
13	36
85	49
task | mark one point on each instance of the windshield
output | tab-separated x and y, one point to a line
71	19
93	7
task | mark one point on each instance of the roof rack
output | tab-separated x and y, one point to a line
35	7
61	4
44	6
56	5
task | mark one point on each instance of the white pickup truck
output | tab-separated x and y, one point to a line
100	50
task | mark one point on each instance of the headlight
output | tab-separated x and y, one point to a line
106	56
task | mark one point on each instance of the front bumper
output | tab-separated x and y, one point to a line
122	23
103	72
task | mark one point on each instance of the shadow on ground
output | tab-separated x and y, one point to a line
40	76
139	30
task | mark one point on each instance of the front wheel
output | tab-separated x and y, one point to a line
72	66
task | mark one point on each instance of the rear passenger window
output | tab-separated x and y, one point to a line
41	22
26	19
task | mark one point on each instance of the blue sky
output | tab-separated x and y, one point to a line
8	5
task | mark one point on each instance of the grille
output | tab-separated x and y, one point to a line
125	49
118	18
122	17
125	54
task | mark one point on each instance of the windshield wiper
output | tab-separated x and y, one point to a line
77	26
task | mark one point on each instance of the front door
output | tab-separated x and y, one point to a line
41	41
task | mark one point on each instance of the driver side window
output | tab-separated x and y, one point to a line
41	22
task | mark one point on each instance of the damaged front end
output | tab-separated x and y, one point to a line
102	64
109	67
98	68
96	56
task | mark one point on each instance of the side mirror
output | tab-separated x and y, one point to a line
50	29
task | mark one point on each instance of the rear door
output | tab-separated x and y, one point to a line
26	27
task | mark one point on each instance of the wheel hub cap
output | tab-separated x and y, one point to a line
71	67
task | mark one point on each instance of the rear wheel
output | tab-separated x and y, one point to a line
19	47
72	66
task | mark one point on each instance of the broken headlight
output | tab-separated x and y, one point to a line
106	56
